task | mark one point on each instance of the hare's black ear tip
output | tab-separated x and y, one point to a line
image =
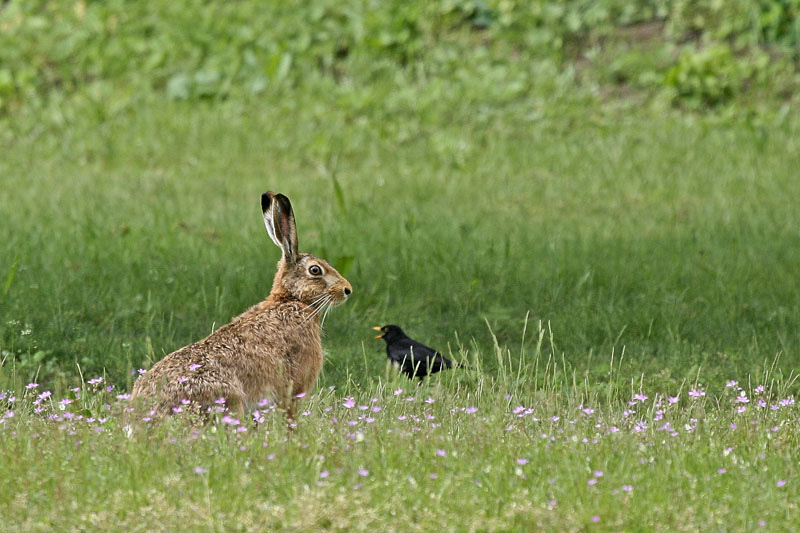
283	201
266	200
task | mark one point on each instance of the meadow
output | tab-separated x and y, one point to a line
617	265
400	457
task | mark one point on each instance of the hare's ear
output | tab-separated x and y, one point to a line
279	219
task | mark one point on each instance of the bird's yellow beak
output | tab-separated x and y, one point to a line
378	328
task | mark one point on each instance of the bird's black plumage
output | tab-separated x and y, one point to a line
414	358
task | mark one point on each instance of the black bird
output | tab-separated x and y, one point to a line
414	358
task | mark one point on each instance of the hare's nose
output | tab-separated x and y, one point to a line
348	289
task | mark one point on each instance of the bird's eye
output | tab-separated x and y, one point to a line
315	270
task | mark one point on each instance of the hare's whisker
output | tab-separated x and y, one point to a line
325	314
316	311
319	302
326	305
319	299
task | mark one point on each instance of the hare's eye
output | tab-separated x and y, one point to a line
315	270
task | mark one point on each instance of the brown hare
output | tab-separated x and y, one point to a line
272	350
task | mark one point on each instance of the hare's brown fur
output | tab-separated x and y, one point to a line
272	350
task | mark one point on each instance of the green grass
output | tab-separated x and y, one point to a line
672	238
649	253
395	457
575	251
